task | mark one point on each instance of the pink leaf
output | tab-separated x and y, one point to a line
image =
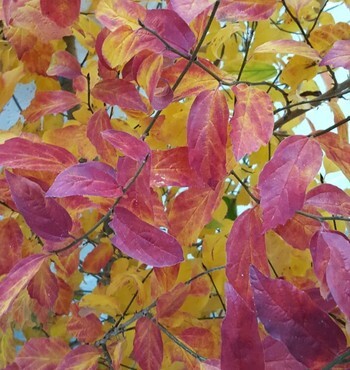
143	241
171	28
253	118
241	347
18	278
290	316
64	64
24	154
338	268
90	178
63	12
98	123
284	179
82	357
189	9
329	198
277	356
246	10
49	102
148	345
43	215
207	136
119	92
127	144
42	353
245	246
338	56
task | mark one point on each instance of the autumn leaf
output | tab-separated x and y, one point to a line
49	102
154	247
338	56
207	136
188	10
148	345
43	215
252	117
64	64
284	179
63	14
310	335
82	357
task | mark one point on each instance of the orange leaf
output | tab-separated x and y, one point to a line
83	357
98	258
170	302
49	102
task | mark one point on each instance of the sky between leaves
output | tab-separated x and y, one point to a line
151	126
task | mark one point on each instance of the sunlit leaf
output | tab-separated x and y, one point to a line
170	302
63	13
339	55
83	357
188	10
64	64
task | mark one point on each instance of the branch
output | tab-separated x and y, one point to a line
330	128
341	89
322	218
215	288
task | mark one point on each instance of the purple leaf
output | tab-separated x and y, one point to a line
90	178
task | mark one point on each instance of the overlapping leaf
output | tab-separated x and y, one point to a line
207	136
284	179
89	178
310	335
63	13
82	357
64	64
188	10
339	55
252	118
143	241
43	215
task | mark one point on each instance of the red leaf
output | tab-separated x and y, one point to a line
143	241
284	179
188	10
277	356
49	102
42	353
17	279
299	230
64	299
43	215
90	178
98	258
82	357
338	268
44	287
253	118
63	13
148	345
241	347
171	168
170	302
337	150
24	154
64	64
119	92
207	136
338	55
11	238
171	28
246	10
98	123
191	211
329	198
245	246
290	316
86	329
129	145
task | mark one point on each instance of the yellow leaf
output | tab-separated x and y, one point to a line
8	82
101	303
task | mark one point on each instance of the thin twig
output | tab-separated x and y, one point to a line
246	188
323	218
330	128
215	288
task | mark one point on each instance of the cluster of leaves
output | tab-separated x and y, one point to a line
120	188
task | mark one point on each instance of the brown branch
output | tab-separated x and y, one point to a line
323	218
215	288
246	188
248	41
330	128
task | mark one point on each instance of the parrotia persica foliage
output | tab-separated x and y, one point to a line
160	208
